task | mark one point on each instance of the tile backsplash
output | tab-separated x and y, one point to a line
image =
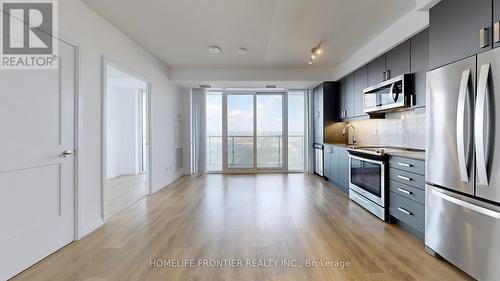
402	129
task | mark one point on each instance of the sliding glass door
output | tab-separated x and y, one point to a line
296	130
269	131
240	131
256	131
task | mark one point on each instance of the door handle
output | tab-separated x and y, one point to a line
483	37
479	124
404	178
462	145
404	211
496	32
68	153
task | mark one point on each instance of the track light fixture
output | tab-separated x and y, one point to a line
315	52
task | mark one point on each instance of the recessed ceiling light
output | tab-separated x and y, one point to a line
242	51
310	62
214	50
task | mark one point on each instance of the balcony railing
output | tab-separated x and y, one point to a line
269	152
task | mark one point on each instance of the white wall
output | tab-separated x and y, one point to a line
97	37
121	131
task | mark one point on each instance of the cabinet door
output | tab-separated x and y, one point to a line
327	164
420	65
347	97
376	70
455	30
318	114
496	21
397	60
343	157
360	83
335	165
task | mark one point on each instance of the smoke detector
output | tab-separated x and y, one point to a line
242	51
214	50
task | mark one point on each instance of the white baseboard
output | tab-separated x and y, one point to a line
91	227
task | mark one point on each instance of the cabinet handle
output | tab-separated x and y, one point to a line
404	178
483	37
404	191
496	32
404	211
404	164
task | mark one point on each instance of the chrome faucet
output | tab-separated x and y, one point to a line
344	131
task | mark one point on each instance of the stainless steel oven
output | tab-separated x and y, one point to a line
389	95
367	181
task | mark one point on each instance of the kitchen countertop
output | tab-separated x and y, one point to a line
416	154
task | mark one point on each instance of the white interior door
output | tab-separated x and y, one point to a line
36	182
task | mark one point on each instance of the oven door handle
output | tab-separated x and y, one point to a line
366	160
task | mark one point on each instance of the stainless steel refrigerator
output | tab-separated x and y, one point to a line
462	211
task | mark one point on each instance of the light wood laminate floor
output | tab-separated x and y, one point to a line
246	217
123	191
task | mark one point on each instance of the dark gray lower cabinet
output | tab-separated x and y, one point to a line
327	163
337	166
406	194
343	168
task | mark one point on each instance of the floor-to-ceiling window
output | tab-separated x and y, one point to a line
252	130
240	131
296	130
269	130
214	131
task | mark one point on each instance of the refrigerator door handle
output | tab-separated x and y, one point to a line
479	124
462	133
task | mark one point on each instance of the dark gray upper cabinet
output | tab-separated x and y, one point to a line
376	70
420	65
325	107
496	20
456	28
346	97
397	60
360	83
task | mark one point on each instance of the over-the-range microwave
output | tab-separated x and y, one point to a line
390	95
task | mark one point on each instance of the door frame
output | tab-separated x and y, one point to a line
284	112
78	134
105	61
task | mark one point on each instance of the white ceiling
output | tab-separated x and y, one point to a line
277	33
